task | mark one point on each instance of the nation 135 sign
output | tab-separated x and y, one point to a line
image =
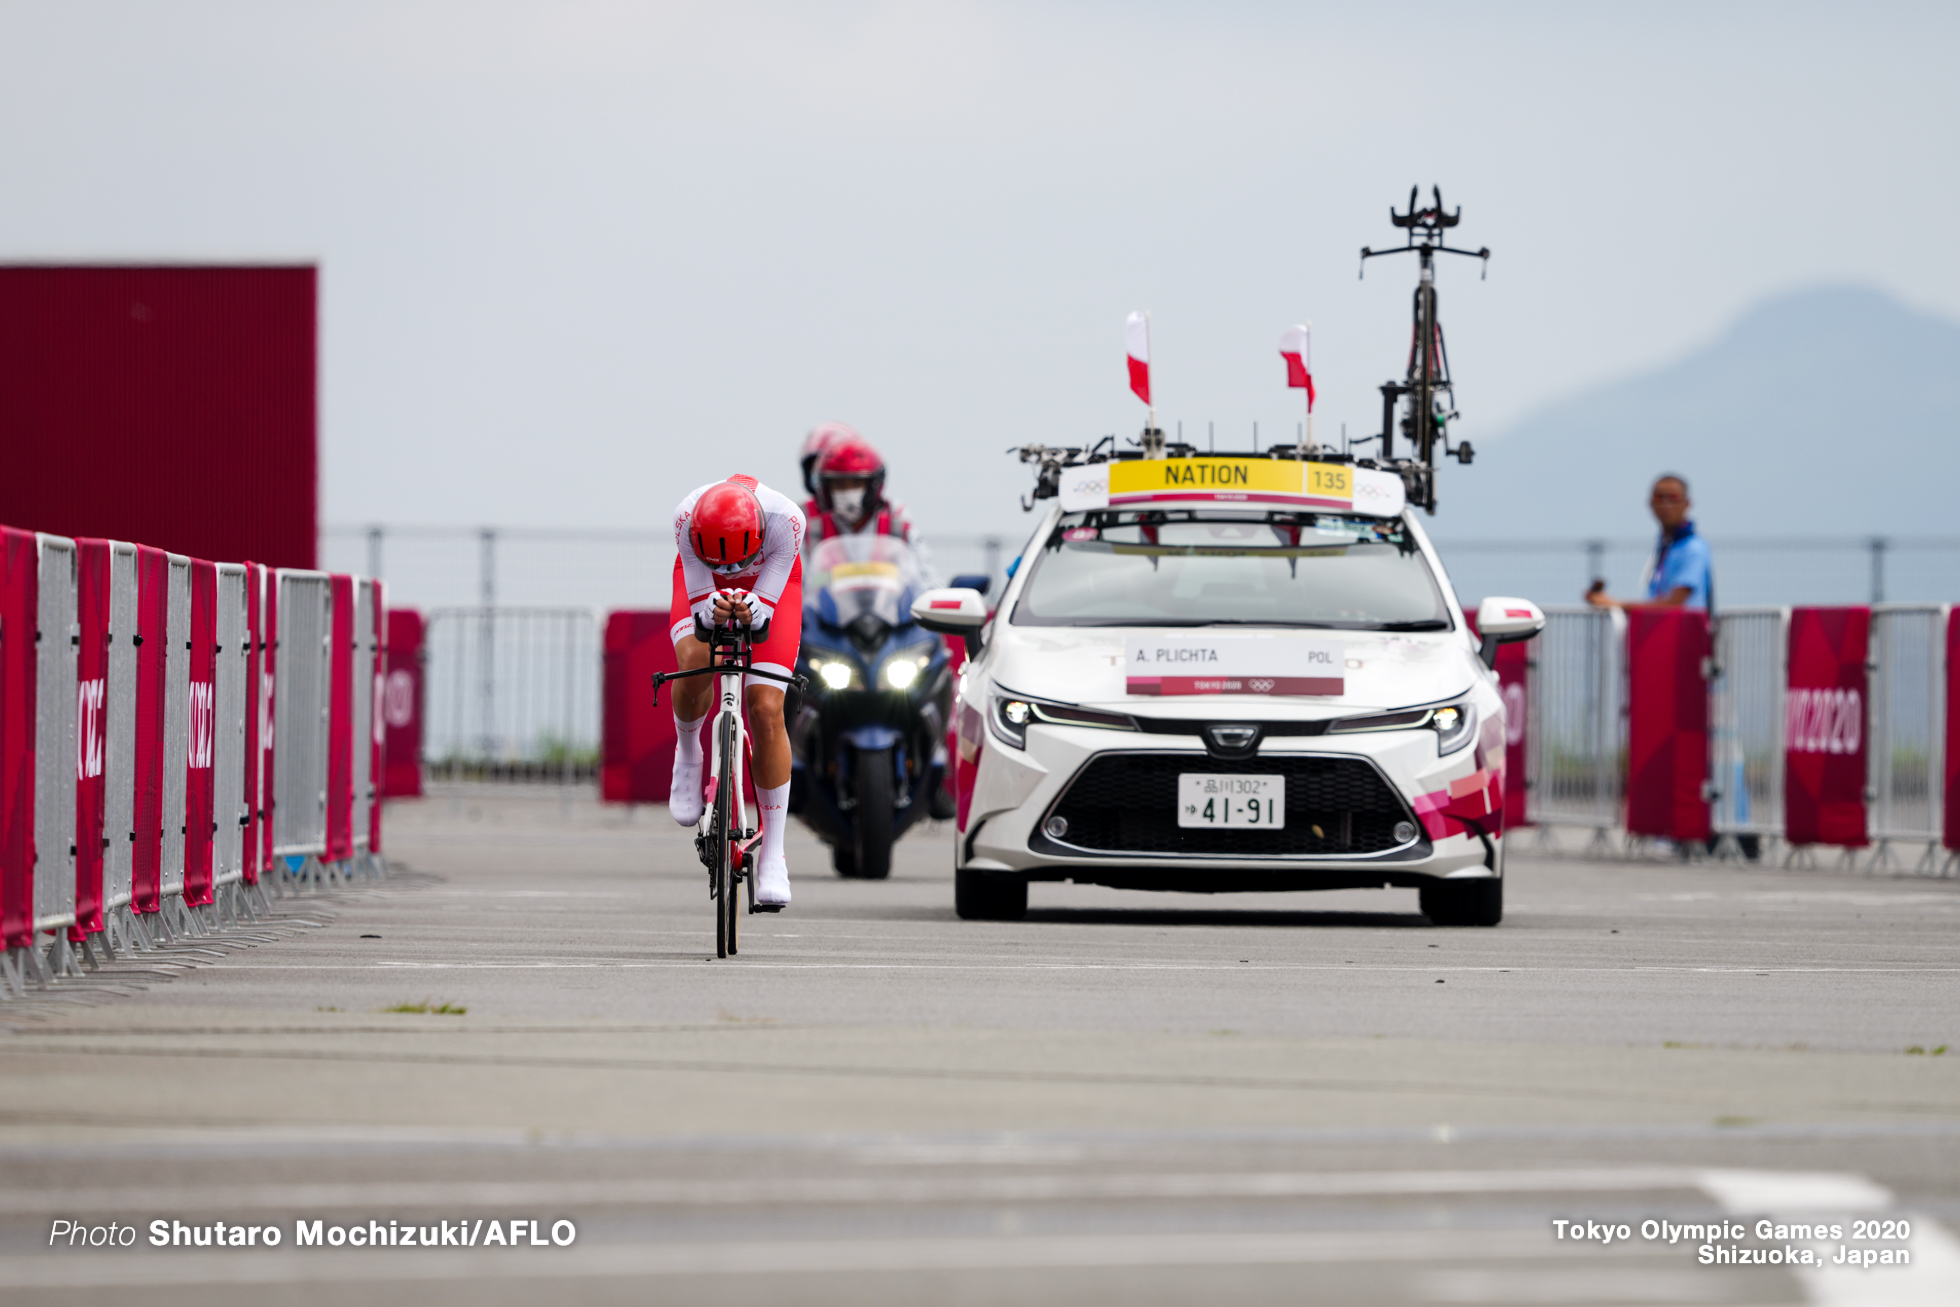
1824	714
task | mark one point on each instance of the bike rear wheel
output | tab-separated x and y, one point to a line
728	912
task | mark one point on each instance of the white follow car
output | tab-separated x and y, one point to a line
1220	674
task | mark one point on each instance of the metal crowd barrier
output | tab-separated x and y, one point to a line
300	708
1746	724
91	754
54	738
1908	703
1575	741
1576	754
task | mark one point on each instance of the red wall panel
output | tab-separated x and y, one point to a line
636	752
168	405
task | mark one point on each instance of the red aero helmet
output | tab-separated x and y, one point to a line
726	526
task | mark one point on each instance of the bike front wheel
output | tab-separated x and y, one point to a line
728	912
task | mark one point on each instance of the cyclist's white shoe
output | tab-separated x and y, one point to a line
772	882
684	797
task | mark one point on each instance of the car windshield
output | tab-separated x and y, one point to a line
1207	567
851	575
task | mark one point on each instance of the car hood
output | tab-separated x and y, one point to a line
1084	665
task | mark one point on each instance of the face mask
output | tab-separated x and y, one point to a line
847	504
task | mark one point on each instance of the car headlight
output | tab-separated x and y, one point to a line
1010	718
1453	723
835	673
1012	714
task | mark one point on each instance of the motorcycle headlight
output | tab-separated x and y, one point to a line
906	666
835	673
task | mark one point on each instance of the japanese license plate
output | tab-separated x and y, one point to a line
1210	799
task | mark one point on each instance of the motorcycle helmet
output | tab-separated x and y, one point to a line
813	446
726	526
850	459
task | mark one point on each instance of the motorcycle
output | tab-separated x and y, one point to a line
868	736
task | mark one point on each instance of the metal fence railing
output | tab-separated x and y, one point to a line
1576	746
301	696
1745	736
513	692
228	741
54	734
1576	735
1907	706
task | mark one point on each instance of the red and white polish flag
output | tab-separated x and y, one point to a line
1295	346
1136	339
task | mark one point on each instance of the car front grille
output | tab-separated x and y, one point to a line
1127	803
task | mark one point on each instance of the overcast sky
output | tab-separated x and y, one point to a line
579	257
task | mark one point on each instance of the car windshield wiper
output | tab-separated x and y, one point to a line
1426	624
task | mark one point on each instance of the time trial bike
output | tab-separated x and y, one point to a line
724	839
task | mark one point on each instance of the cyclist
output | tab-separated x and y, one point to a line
740	547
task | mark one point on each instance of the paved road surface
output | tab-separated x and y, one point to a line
1126	1098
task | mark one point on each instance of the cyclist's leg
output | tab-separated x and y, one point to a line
769	738
692	700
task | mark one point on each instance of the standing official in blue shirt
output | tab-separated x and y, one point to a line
1680	576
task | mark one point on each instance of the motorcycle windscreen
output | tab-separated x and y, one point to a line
859	576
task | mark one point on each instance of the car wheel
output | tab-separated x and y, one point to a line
1464	902
978	896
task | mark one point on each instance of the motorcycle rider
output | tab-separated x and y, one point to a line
849	499
849	495
740	559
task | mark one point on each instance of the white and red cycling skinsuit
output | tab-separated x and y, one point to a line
774	581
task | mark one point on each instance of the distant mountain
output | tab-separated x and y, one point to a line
1831	411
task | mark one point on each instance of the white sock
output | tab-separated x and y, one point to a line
773	804
688	746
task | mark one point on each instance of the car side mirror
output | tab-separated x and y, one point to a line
960	611
1506	621
973	581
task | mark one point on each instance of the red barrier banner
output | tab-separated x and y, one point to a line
20	617
249	833
636	748
152	654
1824	766
1952	832
91	730
401	706
377	721
1667	723
268	662
340	723
200	773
